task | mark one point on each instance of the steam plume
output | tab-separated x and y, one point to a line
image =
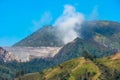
67	23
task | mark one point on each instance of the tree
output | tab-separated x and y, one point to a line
86	55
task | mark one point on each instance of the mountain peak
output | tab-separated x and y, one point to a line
44	37
47	36
76	39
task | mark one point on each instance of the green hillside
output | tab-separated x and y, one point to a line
75	69
110	67
77	47
107	68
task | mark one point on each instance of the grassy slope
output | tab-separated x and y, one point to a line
72	70
107	68
112	62
110	67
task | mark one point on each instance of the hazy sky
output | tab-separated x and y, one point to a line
19	18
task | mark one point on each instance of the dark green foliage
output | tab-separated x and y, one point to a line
86	75
41	75
77	48
20	73
12	70
6	73
87	55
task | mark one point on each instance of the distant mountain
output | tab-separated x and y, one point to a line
45	36
105	68
104	32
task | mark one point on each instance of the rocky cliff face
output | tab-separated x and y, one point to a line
6	56
28	53
2	54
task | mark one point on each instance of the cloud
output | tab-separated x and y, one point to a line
45	19
67	23
94	14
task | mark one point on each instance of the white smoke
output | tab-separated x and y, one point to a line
94	15
67	23
45	19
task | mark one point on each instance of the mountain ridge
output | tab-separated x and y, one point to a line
42	37
77	47
47	36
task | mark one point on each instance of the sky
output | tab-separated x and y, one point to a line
20	18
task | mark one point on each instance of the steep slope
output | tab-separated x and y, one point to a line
77	47
42	37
